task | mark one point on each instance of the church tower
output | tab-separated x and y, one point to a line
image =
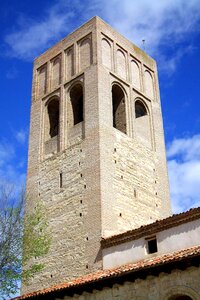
96	150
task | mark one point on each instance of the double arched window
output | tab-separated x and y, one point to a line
75	107
53	117
119	108
142	123
51	126
140	109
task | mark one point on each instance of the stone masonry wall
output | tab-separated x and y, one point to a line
73	207
66	210
135	180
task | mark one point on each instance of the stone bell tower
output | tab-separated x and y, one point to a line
96	151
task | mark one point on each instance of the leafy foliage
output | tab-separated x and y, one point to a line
36	242
11	222
29	235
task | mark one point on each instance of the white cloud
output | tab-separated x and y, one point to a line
163	24
168	63
186	148
12	73
31	37
26	42
7	152
10	170
184	172
21	136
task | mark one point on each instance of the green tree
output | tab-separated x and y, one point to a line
11	224
22	239
36	241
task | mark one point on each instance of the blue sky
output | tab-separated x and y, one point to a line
171	29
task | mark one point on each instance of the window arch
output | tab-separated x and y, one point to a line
106	53
53	117
56	72
142	123
179	292
75	114
180	297
119	108
121	63
148	80
85	53
140	109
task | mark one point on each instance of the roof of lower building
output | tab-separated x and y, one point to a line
98	279
152	228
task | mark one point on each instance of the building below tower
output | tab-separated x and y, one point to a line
159	261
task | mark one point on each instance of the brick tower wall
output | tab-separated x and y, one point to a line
94	180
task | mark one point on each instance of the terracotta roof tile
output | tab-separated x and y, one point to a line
105	274
160	225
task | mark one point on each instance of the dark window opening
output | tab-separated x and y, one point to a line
140	109
53	112
61	180
76	96
119	108
152	246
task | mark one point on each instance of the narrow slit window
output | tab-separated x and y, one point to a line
61	180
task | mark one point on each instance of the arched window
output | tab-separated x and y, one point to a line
142	124
148	84
180	292
85	53
119	108
69	62
181	297
121	63
140	109
135	74
76	99
53	114
106	53
56	72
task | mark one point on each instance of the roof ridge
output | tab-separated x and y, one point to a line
163	224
